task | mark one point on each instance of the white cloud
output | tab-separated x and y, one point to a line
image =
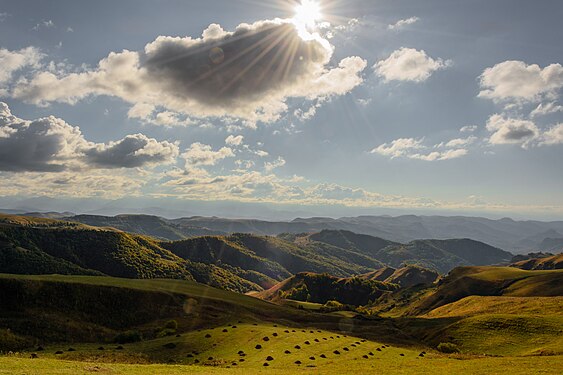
44	25
199	154
402	23
232	140
69	30
96	183
553	136
269	166
398	147
468	128
440	155
12	61
209	76
261	153
414	149
135	150
459	142
511	131
49	144
546	109
409	64
3	16
515	80
305	115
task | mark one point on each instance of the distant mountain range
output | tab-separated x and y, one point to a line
506	234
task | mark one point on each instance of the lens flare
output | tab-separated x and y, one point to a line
307	13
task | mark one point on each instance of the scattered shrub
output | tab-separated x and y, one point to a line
171	324
447	347
128	337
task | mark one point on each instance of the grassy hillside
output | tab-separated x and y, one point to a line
321	288
490	281
239	262
219	331
439	255
478	305
545	263
440	365
72	248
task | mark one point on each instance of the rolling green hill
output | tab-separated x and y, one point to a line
439	255
489	281
553	262
321	288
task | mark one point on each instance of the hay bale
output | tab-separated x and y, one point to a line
312	358
322	356
170	345
297	362
33	356
265	338
316	340
190	356
402	355
265	364
225	330
71	350
307	343
207	336
269	358
287	352
365	356
59	352
258	346
101	348
336	352
346	349
297	347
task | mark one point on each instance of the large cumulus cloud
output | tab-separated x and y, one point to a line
246	74
49	144
516	80
135	150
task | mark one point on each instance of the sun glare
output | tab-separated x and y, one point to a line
307	13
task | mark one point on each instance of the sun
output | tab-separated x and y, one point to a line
307	13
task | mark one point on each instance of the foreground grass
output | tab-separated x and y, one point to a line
438	365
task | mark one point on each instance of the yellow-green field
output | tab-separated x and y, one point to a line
436	365
496	335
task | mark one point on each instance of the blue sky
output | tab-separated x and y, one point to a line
375	107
